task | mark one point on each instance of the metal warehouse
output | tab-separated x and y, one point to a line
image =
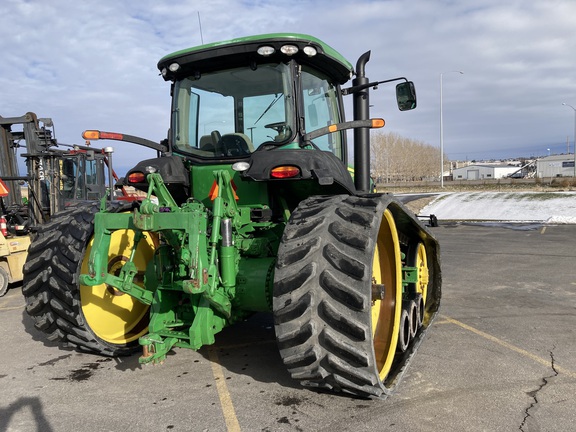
556	166
482	172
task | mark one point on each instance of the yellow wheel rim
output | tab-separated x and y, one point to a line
113	316
386	269
422	268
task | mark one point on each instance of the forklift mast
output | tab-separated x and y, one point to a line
56	178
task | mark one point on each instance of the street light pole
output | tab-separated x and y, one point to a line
568	105
442	132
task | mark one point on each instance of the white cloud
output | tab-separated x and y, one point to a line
92	64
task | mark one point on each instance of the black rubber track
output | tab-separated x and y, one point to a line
323	293
51	280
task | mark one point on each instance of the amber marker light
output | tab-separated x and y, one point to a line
98	135
283	172
91	135
378	123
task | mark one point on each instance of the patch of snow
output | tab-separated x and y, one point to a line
543	207
559	220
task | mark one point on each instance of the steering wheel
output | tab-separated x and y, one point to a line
278	126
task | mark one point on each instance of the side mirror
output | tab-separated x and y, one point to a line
406	96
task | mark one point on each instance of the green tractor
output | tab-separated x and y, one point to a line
250	207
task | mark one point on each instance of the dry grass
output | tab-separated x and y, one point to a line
417	205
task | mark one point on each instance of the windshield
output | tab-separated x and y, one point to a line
82	178
231	113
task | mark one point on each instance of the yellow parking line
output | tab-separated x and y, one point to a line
511	347
543	230
232	424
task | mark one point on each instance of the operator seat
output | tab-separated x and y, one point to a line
206	143
236	144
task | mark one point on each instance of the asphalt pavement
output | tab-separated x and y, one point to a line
500	357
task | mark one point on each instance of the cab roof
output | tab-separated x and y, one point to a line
242	52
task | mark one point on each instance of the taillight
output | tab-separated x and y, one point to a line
283	172
91	135
137	177
3	226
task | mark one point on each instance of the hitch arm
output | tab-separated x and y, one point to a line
98	261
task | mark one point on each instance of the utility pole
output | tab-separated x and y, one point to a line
574	135
442	132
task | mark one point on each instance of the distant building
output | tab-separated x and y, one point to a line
483	172
555	166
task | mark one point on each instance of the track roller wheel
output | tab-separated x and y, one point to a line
405	331
338	295
98	319
413	315
419	302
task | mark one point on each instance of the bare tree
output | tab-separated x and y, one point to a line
398	159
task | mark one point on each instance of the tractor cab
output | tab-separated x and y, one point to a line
258	93
246	99
82	176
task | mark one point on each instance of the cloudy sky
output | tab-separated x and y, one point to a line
92	64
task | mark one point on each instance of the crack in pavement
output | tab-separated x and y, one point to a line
534	394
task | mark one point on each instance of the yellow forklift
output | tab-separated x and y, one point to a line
13	247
